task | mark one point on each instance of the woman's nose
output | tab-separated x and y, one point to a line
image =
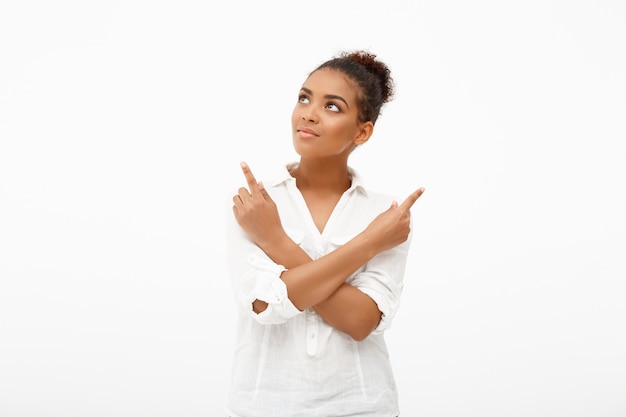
309	114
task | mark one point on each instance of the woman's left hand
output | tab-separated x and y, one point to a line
256	212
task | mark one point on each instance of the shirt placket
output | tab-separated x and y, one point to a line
312	331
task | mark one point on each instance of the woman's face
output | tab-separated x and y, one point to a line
325	118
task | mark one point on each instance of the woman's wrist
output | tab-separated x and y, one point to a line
368	243
280	249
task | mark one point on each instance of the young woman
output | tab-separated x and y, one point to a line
317	261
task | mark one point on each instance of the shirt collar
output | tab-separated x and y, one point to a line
285	176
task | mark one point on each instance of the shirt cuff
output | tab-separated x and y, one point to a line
387	307
270	288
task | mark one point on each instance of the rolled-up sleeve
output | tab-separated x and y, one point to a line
254	276
383	280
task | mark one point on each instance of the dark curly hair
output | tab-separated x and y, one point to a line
371	76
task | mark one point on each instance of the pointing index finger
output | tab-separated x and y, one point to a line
247	173
412	198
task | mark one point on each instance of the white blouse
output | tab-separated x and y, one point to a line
291	363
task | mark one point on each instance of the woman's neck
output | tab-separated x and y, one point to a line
315	175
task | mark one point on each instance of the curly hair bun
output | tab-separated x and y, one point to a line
378	68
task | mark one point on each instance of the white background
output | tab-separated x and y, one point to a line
122	124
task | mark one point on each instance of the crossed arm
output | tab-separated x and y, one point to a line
320	283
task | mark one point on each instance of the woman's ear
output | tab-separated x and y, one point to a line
364	133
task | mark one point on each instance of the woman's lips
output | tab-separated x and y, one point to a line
306	133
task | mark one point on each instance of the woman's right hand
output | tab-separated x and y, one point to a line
256	212
391	227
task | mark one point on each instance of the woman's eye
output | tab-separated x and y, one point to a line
332	107
303	99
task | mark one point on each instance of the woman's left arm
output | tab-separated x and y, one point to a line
348	309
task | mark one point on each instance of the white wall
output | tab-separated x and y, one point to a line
121	127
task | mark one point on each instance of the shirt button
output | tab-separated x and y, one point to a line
312	336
